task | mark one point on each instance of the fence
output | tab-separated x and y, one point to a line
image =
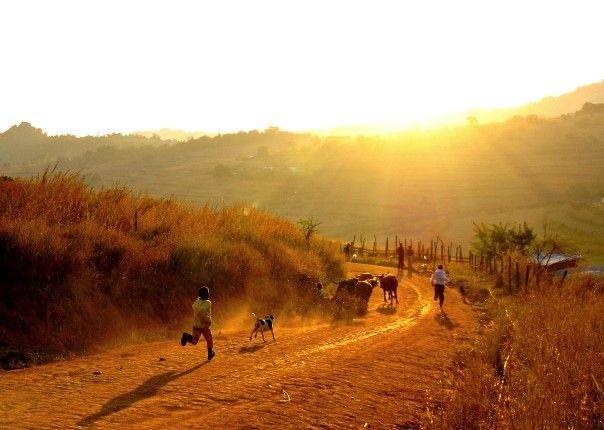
437	251
513	271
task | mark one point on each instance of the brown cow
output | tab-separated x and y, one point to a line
389	283
354	287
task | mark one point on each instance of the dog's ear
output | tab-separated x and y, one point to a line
272	317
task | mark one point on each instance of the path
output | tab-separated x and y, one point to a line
382	369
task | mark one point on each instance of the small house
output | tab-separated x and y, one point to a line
555	262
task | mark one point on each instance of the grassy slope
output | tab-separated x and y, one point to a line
538	363
417	184
78	266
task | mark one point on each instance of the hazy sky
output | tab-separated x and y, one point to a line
93	67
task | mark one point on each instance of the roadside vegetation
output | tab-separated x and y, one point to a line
539	361
79	267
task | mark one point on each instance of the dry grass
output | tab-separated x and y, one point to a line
540	363
79	266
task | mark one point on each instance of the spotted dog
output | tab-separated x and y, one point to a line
261	325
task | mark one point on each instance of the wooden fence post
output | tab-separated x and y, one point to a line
510	272
386	252
563	277
537	276
527	274
517	276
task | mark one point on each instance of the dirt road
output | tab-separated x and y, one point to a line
380	371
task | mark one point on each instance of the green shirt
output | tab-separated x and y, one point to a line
202	313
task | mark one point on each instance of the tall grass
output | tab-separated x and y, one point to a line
78	265
540	363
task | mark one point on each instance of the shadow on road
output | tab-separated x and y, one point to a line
147	389
387	309
252	348
443	319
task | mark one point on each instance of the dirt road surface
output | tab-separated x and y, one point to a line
380	371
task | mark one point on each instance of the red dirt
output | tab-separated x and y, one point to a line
381	371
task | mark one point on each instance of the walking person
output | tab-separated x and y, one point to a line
439	279
202	321
400	251
410	254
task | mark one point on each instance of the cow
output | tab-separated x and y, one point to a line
364	276
347	285
389	284
363	289
354	287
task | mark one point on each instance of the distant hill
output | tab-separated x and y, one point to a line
169	134
547	107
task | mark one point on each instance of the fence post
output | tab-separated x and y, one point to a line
537	276
517	276
563	277
386	253
527	274
510	272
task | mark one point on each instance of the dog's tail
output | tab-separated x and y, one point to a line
254	315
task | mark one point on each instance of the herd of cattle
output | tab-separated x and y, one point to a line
362	286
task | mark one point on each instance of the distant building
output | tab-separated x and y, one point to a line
555	262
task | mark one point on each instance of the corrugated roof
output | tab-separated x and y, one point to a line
547	260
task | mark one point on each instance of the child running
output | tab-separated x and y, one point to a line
439	278
202	321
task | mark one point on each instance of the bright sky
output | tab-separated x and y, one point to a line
100	66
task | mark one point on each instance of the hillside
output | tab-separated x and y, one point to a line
80	268
414	184
547	107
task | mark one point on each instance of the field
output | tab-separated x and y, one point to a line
417	184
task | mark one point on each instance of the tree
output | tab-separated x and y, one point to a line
497	239
309	227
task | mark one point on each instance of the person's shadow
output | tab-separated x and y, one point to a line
443	319
147	389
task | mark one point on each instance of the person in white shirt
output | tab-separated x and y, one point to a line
439	279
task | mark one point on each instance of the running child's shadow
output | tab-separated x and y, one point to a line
147	389
443	319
